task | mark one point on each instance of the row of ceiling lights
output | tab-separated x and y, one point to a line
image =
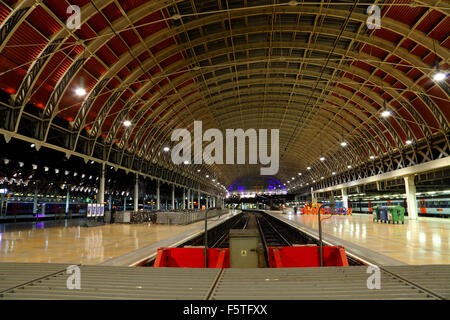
385	114
167	149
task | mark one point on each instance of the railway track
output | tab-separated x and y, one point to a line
273	233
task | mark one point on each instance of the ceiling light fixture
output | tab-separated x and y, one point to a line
438	75
166	149
343	144
322	158
386	113
408	142
80	92
127	123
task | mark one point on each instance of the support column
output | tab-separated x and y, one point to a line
189	199
313	195
183	204
378	183
173	197
125	203
411	200
214	202
67	199
136	194
158	198
34	198
344	197
101	190
110	202
199	198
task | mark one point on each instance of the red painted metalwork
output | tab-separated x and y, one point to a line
308	256
192	258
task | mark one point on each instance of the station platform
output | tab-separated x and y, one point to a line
39	281
110	244
417	242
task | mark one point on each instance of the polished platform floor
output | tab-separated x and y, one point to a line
73	244
422	241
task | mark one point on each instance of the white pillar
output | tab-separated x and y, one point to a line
214	202
313	195
136	194
158	198
411	200
125	203
101	190
183	204
189	199
199	195
378	183
35	197
110	202
173	197
344	197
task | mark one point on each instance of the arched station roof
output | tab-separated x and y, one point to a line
312	69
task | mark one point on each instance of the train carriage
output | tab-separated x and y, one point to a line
426	206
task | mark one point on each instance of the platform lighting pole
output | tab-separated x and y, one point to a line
320	238
206	239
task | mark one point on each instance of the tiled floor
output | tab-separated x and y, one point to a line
76	244
423	241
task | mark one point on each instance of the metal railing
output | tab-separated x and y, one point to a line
186	217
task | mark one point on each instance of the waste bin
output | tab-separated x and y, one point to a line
376	213
383	214
396	214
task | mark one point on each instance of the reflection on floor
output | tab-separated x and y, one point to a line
423	241
75	244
